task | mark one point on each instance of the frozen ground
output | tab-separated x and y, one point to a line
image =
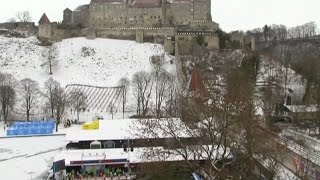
103	62
28	157
99	62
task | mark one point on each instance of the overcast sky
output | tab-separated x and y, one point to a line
230	14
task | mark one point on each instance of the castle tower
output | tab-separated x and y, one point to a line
44	27
67	16
202	10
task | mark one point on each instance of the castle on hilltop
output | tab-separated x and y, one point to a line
139	13
158	21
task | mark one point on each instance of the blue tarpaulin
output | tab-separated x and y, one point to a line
31	128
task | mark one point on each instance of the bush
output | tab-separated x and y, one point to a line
87	51
200	40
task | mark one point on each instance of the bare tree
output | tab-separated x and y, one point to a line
157	63
112	110
50	58
163	82
172	100
7	94
29	91
24	16
78	101
51	88
61	104
218	128
142	85
308	67
125	83
57	100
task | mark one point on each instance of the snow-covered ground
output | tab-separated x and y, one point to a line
99	62
106	60
276	71
27	157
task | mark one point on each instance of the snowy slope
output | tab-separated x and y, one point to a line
272	69
111	60
103	62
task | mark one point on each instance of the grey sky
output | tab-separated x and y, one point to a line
230	14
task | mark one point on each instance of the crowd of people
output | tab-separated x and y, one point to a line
67	123
108	173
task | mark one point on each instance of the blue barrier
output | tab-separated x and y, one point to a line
31	128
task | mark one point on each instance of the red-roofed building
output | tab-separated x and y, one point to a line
44	19
195	85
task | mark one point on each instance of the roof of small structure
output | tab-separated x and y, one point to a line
302	108
118	155
121	129
67	9
145	3
195	83
44	19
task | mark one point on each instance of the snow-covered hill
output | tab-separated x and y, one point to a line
100	62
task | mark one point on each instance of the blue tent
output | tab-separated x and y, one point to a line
31	128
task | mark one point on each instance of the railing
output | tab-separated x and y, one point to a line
300	150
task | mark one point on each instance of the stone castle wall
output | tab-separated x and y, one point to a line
154	13
187	41
120	15
156	35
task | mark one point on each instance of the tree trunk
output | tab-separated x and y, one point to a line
78	112
50	67
28	114
4	111
52	109
57	124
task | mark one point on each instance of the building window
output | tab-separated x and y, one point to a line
134	16
155	17
150	17
109	144
159	17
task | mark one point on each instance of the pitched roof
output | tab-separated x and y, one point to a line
302	108
67	9
44	19
195	83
